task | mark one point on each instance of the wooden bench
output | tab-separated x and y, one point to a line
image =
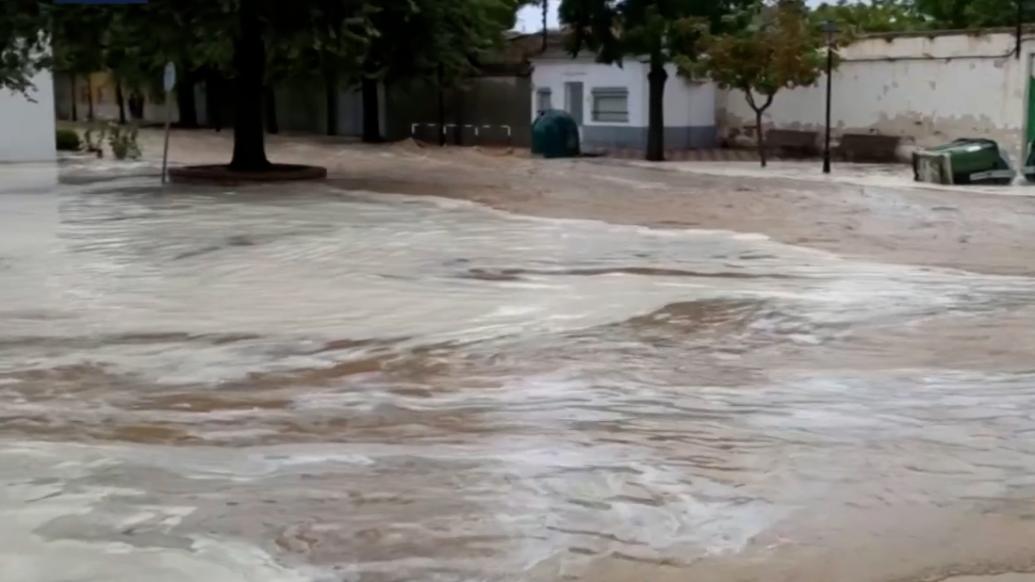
869	147
792	143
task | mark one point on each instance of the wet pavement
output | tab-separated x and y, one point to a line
310	383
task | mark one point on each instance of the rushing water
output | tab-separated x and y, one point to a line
313	384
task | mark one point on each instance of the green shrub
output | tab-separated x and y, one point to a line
67	140
123	142
93	139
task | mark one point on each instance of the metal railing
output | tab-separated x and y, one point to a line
476	129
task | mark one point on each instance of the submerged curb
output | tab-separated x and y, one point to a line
222	174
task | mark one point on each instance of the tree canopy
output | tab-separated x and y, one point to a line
252	41
23	43
900	15
875	16
434	39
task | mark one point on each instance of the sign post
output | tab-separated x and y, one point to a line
168	83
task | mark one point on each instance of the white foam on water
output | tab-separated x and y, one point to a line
27	555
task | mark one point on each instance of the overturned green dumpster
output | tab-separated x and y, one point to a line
1029	164
964	161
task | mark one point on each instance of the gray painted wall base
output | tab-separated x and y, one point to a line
629	137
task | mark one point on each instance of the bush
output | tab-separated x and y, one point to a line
93	139
67	140
123	142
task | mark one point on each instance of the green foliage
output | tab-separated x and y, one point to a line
123	142
661	29
780	49
423	38
854	18
67	140
93	139
23	43
964	14
325	36
900	15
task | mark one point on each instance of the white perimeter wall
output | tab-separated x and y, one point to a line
928	89
27	128
687	104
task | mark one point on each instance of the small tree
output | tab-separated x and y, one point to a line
779	50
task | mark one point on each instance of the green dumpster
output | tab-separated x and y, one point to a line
555	135
1029	164
964	161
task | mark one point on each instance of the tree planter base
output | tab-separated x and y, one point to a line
222	174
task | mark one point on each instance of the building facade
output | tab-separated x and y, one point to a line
610	102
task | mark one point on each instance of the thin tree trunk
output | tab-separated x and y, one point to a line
371	111
250	62
761	137
459	101
89	98
213	100
656	110
75	98
546	11
121	99
270	100
331	89
185	103
759	111
441	107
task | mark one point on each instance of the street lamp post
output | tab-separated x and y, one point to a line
830	29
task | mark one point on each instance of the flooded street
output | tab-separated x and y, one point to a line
316	383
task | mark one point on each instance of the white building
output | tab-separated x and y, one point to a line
27	126
927	88
610	104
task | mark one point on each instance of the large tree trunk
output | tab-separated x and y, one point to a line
330	82
656	110
185	103
371	111
121	99
250	62
75	98
270	102
761	137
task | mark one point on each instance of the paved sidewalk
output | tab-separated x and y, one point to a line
866	175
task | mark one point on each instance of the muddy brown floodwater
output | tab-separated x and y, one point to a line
320	383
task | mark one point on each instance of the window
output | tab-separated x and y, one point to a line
611	104
543	99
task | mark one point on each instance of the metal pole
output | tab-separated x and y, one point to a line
826	142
